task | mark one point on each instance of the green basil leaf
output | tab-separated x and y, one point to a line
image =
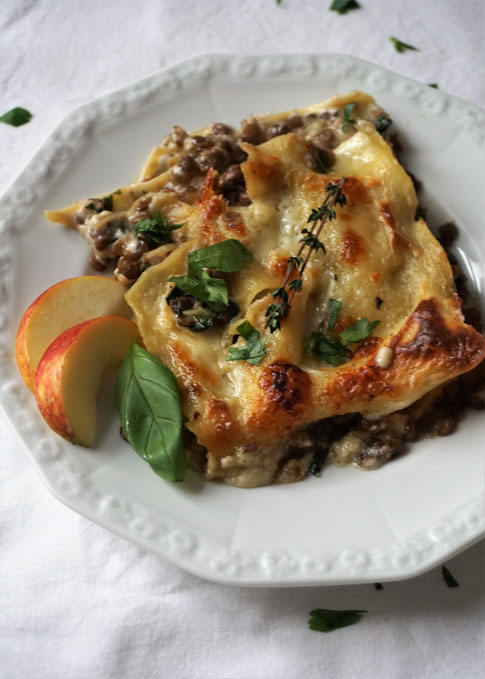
449	579
228	255
402	46
16	116
326	348
150	410
326	620
334	306
254	351
347	113
434	86
357	331
382	123
344	6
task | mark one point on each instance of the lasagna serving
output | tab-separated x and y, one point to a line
327	323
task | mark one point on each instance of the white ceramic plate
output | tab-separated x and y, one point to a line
345	527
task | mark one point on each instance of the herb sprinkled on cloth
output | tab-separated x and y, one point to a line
326	620
448	577
400	46
16	117
344	6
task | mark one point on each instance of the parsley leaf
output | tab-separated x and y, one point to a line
348	110
228	255
434	85
402	46
327	348
108	202
382	123
254	351
333	349
311	240
157	229
203	323
326	620
334	306
449	579
212	291
16	116
344	6
322	160
357	331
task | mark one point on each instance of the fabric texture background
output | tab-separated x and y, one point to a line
79	603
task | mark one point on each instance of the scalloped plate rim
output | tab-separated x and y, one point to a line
80	505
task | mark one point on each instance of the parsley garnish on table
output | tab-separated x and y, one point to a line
400	46
344	6
448	577
327	620
16	117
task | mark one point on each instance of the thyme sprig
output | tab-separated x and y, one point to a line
283	295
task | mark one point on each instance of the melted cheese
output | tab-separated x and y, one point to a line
245	414
374	248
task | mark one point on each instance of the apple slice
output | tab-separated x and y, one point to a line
60	307
70	371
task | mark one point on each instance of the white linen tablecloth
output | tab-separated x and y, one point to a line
79	603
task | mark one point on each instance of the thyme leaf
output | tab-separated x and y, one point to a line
277	311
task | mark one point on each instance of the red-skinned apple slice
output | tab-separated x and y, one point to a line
70	371
60	307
